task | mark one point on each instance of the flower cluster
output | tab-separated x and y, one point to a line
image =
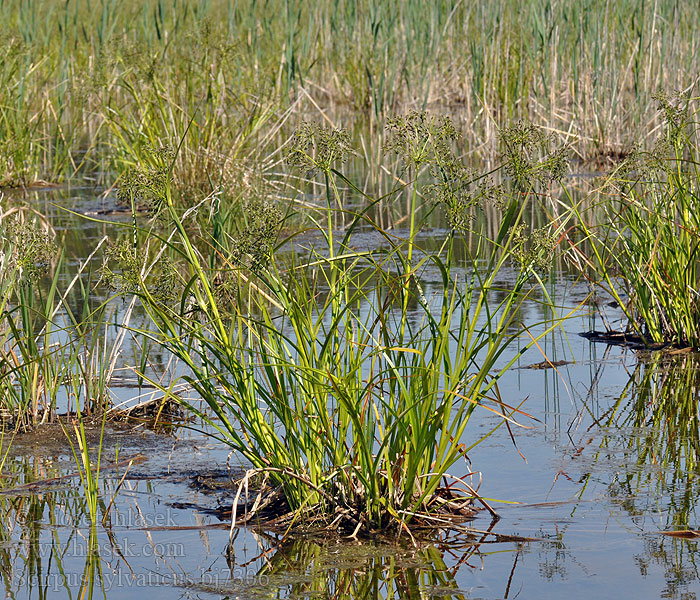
315	148
123	273
658	163
534	251
252	248
531	156
676	110
126	279
419	137
29	250
146	187
454	188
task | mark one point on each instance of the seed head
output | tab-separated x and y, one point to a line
676	111
146	185
252	248
30	250
419	137
126	278
534	251
531	156
315	148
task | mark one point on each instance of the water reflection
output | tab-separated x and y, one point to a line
677	559
648	451
49	548
362	571
660	403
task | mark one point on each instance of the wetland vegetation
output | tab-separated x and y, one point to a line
322	238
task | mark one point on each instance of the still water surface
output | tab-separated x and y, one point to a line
606	465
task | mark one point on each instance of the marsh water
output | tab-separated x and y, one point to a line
585	489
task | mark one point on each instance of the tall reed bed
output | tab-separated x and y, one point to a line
84	85
345	385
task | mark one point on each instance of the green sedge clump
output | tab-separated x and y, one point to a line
647	257
354	407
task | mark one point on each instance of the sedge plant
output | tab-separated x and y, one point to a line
344	381
644	250
46	350
29	371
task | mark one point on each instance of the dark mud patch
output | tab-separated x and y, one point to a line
159	415
51	439
23	186
632	341
168	458
547	364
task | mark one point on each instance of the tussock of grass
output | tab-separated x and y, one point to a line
338	377
47	349
644	251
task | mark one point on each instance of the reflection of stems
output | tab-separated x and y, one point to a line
89	475
374	575
92	568
659	400
512	572
32	551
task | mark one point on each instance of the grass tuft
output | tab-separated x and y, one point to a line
339	377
